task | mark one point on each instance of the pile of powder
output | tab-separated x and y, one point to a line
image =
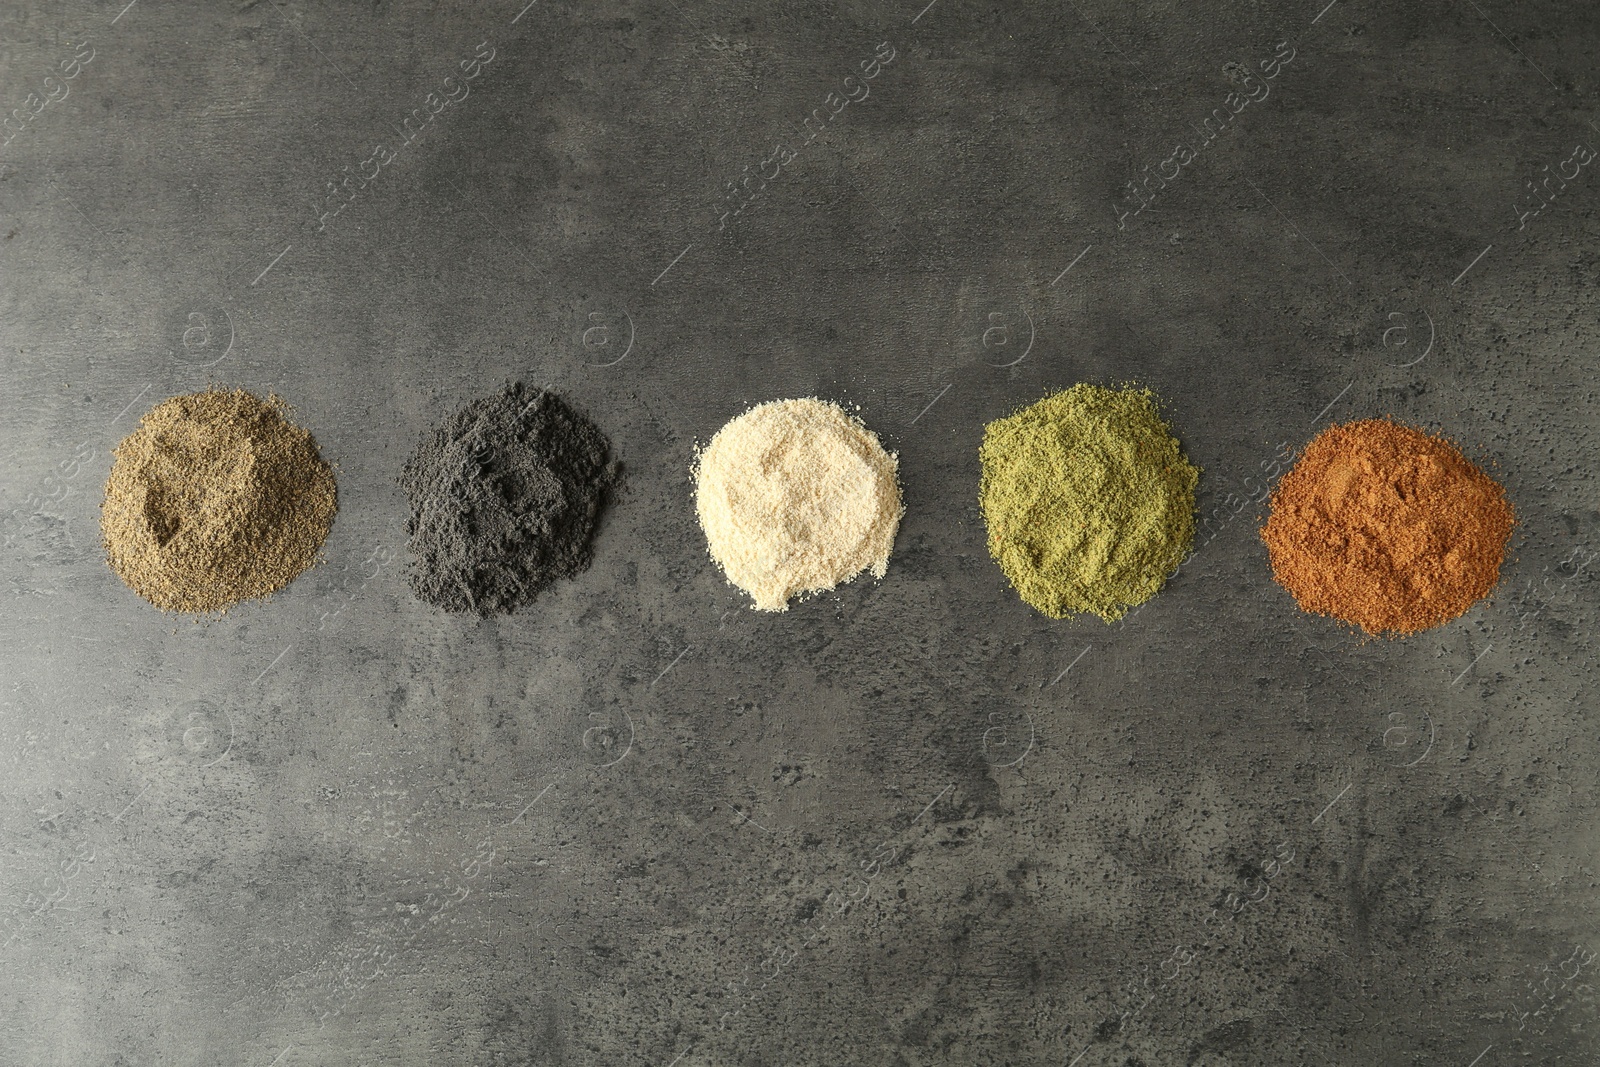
796	496
1089	500
1386	527
215	498
505	495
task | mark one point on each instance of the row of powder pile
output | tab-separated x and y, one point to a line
1088	498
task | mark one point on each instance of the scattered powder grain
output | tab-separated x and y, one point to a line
215	498
505	495
1386	527
1089	500
796	496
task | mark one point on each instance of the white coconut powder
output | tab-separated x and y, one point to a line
795	497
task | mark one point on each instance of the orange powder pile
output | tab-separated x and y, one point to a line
1387	527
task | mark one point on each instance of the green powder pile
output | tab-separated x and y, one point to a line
1089	500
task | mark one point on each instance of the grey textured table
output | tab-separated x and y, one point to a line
909	823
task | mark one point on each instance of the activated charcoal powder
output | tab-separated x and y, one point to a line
505	495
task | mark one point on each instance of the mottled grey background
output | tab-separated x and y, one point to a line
641	824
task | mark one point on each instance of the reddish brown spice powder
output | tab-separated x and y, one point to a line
1387	527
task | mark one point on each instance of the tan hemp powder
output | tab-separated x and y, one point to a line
214	499
796	496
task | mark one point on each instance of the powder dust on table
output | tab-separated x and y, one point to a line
1387	527
505	495
215	498
1089	500
796	497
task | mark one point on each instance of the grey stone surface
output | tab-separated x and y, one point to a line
640	824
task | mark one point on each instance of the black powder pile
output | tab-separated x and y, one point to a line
504	495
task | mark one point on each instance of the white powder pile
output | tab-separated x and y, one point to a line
796	496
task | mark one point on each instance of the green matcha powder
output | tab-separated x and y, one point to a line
1089	500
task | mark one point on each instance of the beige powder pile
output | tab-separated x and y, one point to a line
214	499
796	496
